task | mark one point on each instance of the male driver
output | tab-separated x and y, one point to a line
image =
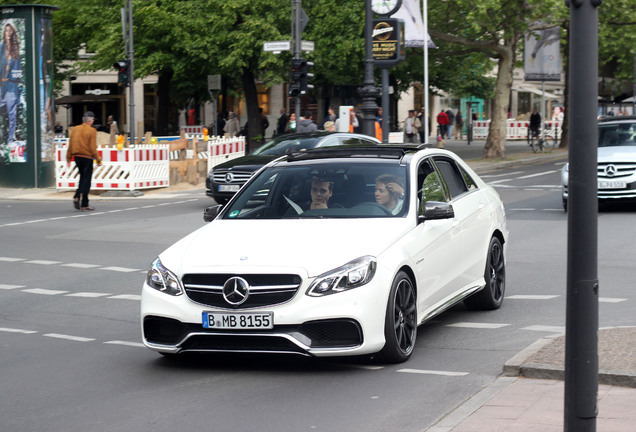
321	191
83	146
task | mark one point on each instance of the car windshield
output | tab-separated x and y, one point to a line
285	145
617	134
326	190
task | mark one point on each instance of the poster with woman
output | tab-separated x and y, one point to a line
12	94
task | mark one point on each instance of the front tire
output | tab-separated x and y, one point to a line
400	322
491	297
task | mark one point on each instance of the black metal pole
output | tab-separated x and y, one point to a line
385	106
369	92
581	334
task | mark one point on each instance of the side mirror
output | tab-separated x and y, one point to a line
436	210
210	213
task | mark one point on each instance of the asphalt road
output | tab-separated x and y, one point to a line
70	334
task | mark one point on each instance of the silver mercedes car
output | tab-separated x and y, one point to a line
616	160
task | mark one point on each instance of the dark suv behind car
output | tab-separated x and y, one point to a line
225	179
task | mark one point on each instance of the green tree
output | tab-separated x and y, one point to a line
494	27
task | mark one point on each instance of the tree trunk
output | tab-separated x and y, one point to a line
496	141
163	103
255	126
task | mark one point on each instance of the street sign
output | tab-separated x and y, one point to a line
307	46
214	82
277	46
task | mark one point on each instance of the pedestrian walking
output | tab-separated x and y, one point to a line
451	122
459	125
232	127
281	124
307	124
442	125
82	146
412	125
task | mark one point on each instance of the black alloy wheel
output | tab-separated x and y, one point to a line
491	297
400	325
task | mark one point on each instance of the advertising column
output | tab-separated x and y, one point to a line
27	153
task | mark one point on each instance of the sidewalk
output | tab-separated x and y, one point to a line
529	396
517	153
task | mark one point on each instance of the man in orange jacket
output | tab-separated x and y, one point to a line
83	146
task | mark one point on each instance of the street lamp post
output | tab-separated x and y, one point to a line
369	92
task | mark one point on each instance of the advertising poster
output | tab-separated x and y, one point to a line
47	112
542	55
12	91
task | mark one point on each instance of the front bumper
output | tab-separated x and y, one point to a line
347	323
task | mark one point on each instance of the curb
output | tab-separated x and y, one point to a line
519	366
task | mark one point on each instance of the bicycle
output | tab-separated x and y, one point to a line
545	143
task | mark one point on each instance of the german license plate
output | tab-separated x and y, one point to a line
229	188
612	185
238	321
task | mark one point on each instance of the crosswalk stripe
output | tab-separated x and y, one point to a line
477	325
125	343
69	337
531	297
10	287
43	291
551	329
119	269
14	330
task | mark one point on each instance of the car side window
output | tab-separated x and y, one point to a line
453	178
352	141
429	185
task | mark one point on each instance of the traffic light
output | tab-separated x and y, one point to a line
122	67
305	76
294	84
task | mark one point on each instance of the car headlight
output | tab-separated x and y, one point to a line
162	279
351	275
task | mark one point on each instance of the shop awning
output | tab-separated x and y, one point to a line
86	98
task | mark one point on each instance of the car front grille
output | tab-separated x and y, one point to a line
231	177
615	170
264	289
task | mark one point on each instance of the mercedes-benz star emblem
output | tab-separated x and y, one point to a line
236	290
229	177
610	170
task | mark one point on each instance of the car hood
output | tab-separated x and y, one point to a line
245	163
317	245
617	154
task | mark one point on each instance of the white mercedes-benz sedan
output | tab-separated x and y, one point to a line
333	252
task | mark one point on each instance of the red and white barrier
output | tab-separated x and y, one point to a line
222	149
139	167
515	129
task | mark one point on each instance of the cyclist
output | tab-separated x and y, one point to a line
535	123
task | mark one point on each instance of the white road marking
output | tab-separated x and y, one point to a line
14	330
551	329
43	262
80	265
68	337
537	174
9	259
611	300
10	287
531	297
477	325
433	372
43	291
126	297
125	343
119	269
87	294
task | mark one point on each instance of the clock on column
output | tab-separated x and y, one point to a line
385	7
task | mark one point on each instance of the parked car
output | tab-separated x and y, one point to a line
225	179
616	170
331	252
